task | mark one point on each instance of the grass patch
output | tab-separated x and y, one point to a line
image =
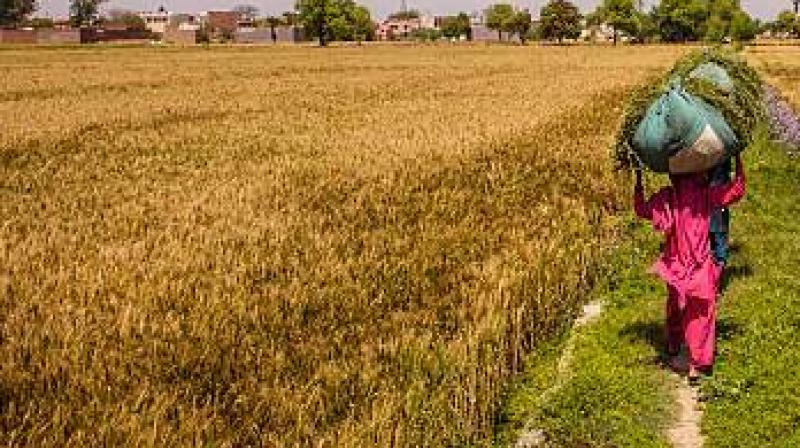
615	393
752	398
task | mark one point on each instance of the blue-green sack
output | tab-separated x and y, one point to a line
682	134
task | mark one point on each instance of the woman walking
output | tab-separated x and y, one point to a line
682	212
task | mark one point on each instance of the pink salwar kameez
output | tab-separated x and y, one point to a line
682	213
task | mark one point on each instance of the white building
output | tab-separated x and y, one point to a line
156	21
186	22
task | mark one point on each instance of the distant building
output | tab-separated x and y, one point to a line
185	22
228	22
157	21
602	33
393	29
477	18
181	37
41	36
223	21
289	34
254	36
482	33
427	22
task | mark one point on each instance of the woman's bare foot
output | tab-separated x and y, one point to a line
694	375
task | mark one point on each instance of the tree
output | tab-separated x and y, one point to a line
427	34
560	20
787	22
14	12
726	19
317	16
716	29
455	27
646	27
521	25
361	25
681	20
620	15
329	20
126	18
743	28
718	22
40	23
84	12
499	18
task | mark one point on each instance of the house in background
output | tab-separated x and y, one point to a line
186	22
602	33
156	21
183	29
222	22
393	29
289	34
227	23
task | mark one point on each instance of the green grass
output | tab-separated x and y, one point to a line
616	394
754	396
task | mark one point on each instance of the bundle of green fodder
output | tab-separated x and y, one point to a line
697	115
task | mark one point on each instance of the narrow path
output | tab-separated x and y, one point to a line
534	437
685	431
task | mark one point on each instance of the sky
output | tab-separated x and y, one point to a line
765	9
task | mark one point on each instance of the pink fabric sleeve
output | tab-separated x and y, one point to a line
656	209
732	192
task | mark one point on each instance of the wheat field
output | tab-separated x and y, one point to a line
781	67
291	246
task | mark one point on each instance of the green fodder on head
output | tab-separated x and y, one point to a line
741	107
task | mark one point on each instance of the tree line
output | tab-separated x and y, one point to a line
668	21
346	20
14	13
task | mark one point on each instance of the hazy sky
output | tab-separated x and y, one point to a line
380	8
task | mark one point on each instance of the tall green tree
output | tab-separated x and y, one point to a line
743	28
787	22
362	26
14	12
681	20
726	19
127	19
455	27
321	18
499	17
84	12
40	23
620	15
560	19
521	25
329	20
646	27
